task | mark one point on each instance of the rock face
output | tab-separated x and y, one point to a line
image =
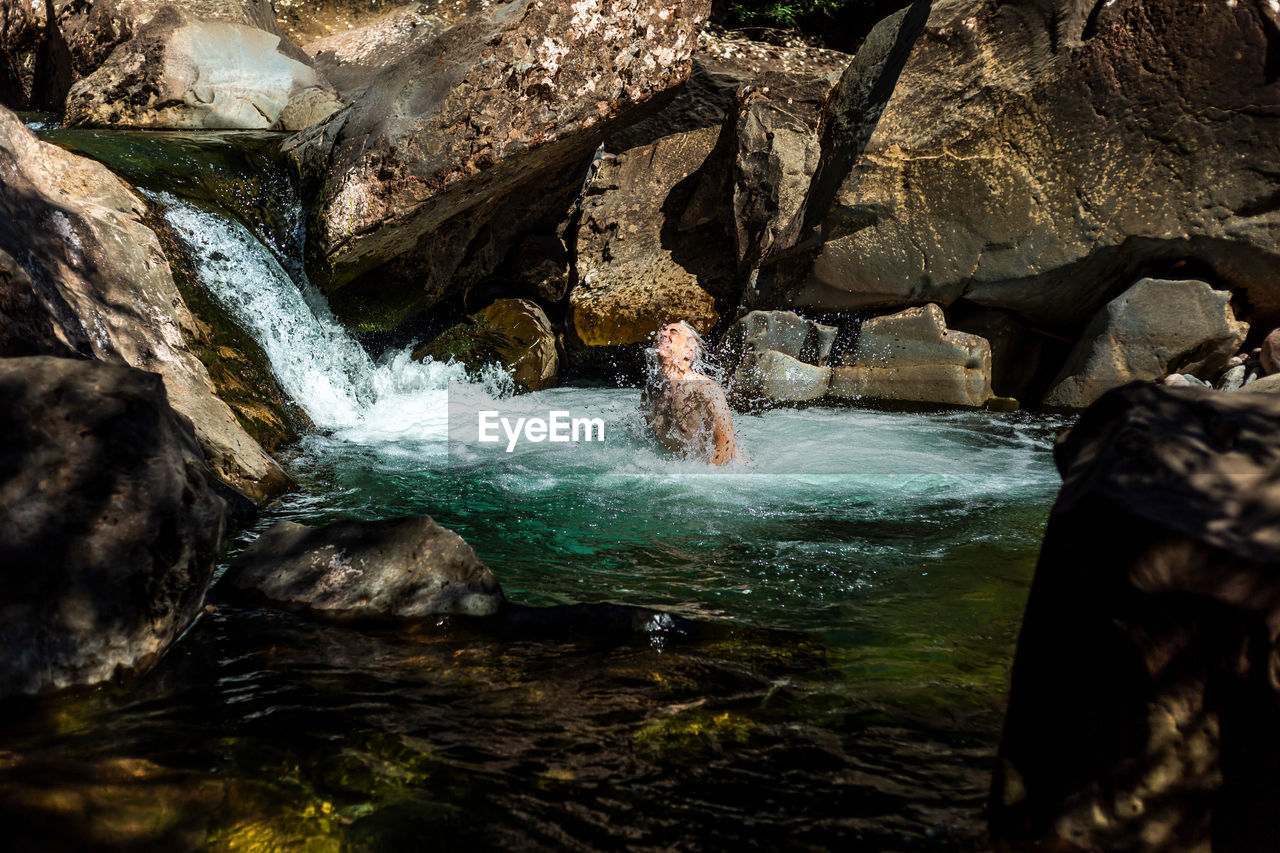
404	568
113	522
652	248
93	282
507	104
352	59
1020	154
514	333
1152	329
783	331
765	377
178	71
21	33
912	357
1144	708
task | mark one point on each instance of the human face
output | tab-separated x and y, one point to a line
676	345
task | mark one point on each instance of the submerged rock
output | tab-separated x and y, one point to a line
912	357
513	333
1039	156
507	105
112	522
1144	706
93	282
403	568
180	71
1152	329
652	246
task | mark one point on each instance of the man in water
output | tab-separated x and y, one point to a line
684	409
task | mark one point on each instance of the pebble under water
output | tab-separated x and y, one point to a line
832	674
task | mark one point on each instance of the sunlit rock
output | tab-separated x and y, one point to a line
512	333
652	246
404	568
93	281
112	522
1152	329
427	181
764	377
353	58
180	72
1041	156
912	357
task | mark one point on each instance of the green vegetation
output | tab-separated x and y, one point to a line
785	13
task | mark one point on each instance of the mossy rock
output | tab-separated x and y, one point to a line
514	333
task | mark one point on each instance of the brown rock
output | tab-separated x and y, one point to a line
94	282
514	333
768	377
505	107
1143	709
352	59
912	357
1269	354
1039	156
647	255
1152	329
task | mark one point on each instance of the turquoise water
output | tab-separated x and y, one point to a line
832	674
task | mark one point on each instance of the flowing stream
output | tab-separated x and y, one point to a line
855	590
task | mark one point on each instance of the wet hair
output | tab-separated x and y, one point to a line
700	364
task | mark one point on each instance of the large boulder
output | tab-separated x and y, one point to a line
1144	709
769	377
183	71
782	331
417	177
93	281
652	246
912	357
1151	330
353	58
112	522
21	34
513	333
1039	155
402	568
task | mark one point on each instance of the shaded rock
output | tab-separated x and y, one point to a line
778	148
912	357
507	104
1020	356
764	377
1269	353
540	268
403	568
92	281
1152	329
647	255
1262	385
1232	379
783	331
179	71
21	33
113	522
1020	154
1143	712
352	59
514	333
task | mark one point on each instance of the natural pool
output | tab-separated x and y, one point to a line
848	603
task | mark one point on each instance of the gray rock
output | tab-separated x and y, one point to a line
1232	379
912	357
112	522
643	260
1262	385
1151	330
182	72
403	568
783	331
1018	154
766	377
94	282
1145	648
508	105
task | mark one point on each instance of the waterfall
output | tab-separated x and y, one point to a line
317	361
